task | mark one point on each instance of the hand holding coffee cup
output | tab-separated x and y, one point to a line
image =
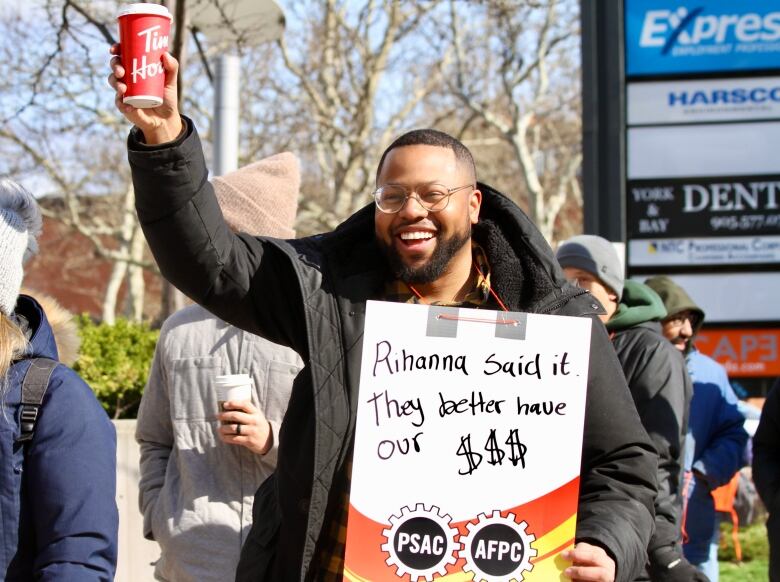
242	423
144	74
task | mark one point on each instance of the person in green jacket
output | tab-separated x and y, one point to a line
658	381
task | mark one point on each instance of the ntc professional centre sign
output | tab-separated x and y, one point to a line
689	36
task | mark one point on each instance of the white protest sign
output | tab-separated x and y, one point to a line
468	444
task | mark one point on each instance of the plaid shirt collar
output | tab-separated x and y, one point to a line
479	296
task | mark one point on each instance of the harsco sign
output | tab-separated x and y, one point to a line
662	102
737	96
685	36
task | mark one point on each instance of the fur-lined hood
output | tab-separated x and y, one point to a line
63	326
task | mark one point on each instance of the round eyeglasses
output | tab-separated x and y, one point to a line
433	197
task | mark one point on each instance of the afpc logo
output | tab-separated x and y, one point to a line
498	549
692	27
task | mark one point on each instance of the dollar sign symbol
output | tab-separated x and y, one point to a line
465	450
516	448
496	453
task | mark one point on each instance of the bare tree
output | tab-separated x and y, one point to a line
62	132
60	129
522	82
340	91
344	81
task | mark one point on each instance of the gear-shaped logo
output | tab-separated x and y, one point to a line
497	549
420	542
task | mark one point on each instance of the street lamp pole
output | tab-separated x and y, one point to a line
226	103
225	24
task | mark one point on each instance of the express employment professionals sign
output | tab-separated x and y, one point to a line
686	36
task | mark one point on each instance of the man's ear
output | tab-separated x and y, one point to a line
475	203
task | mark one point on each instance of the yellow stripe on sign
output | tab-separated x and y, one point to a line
549	566
549	570
457	577
352	577
556	537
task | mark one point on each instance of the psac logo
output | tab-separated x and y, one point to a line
667	28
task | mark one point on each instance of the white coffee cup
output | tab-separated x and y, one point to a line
233	388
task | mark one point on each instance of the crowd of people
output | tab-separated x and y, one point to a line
259	489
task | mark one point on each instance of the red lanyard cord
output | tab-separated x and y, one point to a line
490	288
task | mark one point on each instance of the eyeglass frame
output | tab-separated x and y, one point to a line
678	319
412	193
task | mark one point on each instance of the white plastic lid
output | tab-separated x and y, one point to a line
233	380
233	387
144	8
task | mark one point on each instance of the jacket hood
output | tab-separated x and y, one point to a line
675	299
638	304
39	332
523	269
63	326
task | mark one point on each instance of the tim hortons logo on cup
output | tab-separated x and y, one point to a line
154	41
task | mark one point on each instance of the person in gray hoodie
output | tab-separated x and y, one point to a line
200	468
657	379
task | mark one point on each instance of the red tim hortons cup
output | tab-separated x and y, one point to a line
143	37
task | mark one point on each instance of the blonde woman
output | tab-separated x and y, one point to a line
58	478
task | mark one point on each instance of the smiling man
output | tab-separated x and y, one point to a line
423	226
432	235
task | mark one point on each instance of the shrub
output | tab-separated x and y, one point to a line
115	361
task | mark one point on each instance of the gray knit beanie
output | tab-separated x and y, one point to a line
20	224
261	199
595	255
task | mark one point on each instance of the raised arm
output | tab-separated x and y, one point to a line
248	282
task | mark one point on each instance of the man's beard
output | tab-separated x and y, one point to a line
434	267
688	342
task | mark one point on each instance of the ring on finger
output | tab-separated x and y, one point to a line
238	429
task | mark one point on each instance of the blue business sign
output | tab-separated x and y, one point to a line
692	36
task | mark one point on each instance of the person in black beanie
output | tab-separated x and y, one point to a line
658	382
